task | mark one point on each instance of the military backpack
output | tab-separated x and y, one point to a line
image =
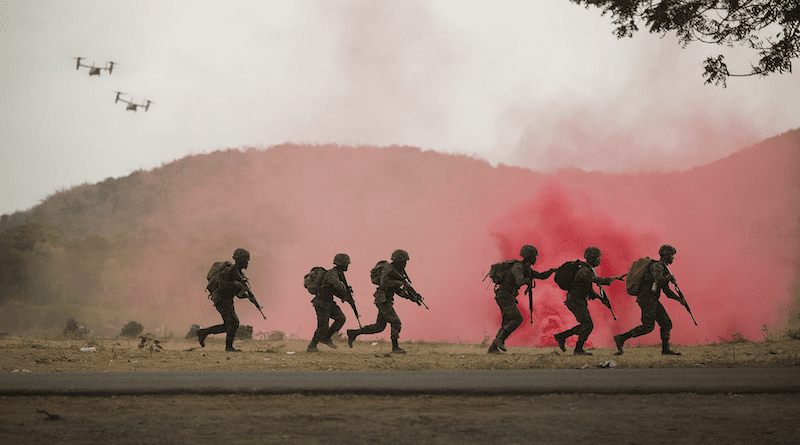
565	274
498	271
377	271
313	279
214	275
636	274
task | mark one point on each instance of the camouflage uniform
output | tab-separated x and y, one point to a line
230	285
578	296
656	279
333	283
391	283
505	295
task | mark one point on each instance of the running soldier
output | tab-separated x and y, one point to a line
577	300
655	279
230	285
333	283
392	281
506	292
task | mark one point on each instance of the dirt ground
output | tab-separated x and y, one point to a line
304	419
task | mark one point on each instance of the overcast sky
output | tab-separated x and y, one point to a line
540	84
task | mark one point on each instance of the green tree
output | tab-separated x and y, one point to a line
770	27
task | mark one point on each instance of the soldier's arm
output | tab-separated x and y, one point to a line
661	276
390	279
592	276
519	274
542	275
339	289
228	281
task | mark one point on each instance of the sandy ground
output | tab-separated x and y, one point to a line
673	418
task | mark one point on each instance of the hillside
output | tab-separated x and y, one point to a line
143	243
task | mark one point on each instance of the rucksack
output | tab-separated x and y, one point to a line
375	273
498	271
565	274
636	274
313	279
213	275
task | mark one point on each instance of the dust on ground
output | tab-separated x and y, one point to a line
356	419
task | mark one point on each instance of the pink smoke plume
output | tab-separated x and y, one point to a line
733	223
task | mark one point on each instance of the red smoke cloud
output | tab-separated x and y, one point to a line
295	207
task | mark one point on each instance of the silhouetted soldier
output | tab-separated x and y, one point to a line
392	282
506	292
655	279
333	283
230	285
577	300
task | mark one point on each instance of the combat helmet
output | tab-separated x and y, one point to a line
341	259
666	249
591	252
399	255
241	254
528	251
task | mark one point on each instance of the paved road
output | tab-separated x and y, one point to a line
571	381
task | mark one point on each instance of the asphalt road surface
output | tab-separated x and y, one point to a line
532	382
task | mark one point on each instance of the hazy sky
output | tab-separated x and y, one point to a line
540	84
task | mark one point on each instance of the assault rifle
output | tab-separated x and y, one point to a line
529	291
604	298
352	303
680	294
413	295
247	292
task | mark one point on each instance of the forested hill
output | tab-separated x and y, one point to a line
147	239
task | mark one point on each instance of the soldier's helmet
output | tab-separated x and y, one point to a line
666	249
341	259
241	254
399	255
591	252
528	251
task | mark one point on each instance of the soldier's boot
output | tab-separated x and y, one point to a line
665	350
396	348
560	340
493	349
500	339
312	347
579	349
619	340
229	346
329	342
201	337
351	336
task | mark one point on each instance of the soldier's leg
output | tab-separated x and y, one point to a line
584	328
374	328
231	322
561	337
338	321
396	326
202	333
665	325
322	310
512	319
648	307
